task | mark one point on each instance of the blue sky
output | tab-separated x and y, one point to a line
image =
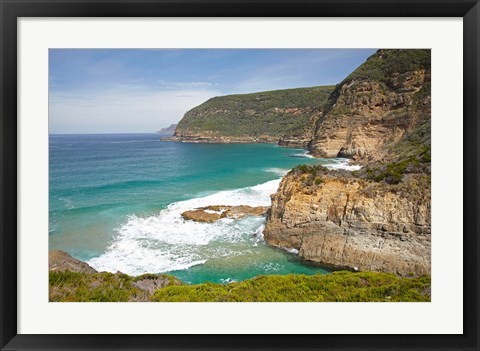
136	90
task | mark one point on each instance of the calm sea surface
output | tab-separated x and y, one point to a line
116	200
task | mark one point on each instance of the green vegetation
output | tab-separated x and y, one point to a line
384	64
272	113
99	287
337	286
310	169
314	174
412	154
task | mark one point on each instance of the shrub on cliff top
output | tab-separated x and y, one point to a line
384	63
337	286
310	169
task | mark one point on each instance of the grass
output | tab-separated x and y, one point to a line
335	287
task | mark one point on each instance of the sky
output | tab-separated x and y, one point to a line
143	90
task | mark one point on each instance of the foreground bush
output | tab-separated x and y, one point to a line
337	286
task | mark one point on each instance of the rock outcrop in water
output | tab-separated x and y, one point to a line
210	214
287	116
378	218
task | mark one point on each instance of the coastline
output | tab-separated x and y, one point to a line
221	140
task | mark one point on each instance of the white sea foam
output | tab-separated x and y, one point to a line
277	171
292	250
303	154
167	242
342	163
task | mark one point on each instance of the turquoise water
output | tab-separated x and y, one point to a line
115	201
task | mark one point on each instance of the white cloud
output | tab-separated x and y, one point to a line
186	85
121	111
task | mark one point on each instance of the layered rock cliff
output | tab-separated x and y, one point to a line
285	116
341	220
378	218
373	108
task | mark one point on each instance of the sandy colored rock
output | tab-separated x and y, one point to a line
364	116
210	214
61	261
201	216
354	223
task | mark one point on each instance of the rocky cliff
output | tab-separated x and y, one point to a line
344	221
375	106
285	116
378	218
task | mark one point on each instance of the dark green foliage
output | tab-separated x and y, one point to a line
310	169
257	114
318	181
337	286
391	173
412	155
421	97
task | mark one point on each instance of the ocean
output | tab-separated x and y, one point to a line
115	202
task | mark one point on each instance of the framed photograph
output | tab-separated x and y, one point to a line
221	175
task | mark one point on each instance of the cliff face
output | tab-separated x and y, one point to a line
287	116
386	97
377	218
346	221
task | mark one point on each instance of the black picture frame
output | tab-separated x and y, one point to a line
11	10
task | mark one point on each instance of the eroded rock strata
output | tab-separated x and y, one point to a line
350	222
386	97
